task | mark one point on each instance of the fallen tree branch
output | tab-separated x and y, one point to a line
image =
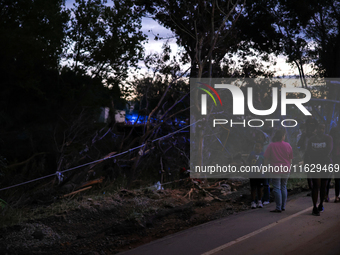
106	157
96	181
76	192
26	161
207	192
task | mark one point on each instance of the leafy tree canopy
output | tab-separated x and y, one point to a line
105	41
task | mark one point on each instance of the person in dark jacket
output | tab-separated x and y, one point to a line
318	152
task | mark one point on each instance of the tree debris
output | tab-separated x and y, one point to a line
99	180
77	191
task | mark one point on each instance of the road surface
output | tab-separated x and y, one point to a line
295	231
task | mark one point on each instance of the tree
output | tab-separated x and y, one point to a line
31	42
105	41
162	71
307	32
204	28
38	96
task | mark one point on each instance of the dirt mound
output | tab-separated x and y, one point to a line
126	219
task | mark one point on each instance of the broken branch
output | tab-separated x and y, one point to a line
75	192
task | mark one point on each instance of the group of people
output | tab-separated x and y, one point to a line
317	147
277	153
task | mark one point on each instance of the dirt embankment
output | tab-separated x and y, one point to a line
112	223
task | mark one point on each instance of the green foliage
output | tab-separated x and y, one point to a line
50	108
105	41
31	40
205	29
3	204
256	28
163	71
305	31
246	68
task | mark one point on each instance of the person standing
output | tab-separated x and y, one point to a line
310	130
319	153
263	138
335	134
279	154
256	184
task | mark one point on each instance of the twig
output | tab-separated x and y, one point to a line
75	192
26	161
96	181
207	192
106	157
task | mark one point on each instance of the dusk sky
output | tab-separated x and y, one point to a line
148	24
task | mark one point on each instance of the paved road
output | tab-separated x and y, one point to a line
258	231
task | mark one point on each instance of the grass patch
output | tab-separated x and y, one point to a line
294	183
10	216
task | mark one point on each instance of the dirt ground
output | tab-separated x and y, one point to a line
113	223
